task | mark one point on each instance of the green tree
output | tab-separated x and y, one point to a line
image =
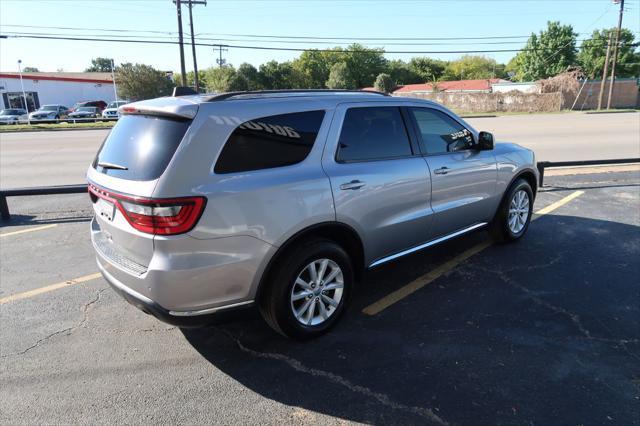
190	81
593	51
384	83
401	73
279	75
547	54
139	81
250	74
470	67
340	77
364	64
313	67
100	65
217	79
30	69
427	69
238	83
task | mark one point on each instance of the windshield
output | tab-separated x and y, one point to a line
87	109
49	108
115	104
10	112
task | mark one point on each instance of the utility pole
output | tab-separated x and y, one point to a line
604	72
615	53
193	43
220	60
24	95
183	72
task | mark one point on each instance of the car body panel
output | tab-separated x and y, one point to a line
249	215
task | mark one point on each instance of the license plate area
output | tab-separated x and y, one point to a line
105	209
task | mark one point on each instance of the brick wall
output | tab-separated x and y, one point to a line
625	95
494	102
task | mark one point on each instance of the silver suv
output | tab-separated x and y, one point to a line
204	204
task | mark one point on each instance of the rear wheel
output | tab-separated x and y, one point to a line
514	214
308	290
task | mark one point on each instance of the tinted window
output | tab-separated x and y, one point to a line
373	133
441	133
143	144
275	141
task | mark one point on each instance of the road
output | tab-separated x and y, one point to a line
62	157
545	331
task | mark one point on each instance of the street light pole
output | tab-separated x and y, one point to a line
24	95
113	77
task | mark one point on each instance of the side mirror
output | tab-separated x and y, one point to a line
485	141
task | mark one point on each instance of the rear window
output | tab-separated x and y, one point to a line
142	144
268	142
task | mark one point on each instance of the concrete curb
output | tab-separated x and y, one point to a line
54	129
611	112
479	116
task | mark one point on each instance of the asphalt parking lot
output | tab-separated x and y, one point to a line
545	331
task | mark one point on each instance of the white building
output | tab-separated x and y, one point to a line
63	88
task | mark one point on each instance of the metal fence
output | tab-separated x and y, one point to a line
77	189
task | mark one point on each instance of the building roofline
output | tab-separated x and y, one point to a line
27	76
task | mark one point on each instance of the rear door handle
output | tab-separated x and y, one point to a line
354	184
441	171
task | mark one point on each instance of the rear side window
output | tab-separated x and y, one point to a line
139	147
268	142
441	133
373	133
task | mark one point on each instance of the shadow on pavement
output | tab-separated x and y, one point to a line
545	331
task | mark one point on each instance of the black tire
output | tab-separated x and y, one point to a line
499	226
275	301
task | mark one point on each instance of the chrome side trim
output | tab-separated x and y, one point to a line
209	310
428	244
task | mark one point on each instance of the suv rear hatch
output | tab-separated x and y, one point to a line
123	176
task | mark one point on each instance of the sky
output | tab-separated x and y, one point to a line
238	22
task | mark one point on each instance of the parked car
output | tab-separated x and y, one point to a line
112	109
283	199
13	115
99	104
49	113
85	112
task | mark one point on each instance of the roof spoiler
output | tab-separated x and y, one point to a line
176	107
183	91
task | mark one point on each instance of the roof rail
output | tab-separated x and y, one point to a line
227	95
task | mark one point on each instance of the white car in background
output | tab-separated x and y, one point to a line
111	111
13	115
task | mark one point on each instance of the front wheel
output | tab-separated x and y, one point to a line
514	214
308	290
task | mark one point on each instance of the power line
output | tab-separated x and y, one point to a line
283	37
273	48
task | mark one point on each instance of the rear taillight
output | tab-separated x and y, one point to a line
159	216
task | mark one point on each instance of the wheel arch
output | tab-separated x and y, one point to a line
341	233
527	174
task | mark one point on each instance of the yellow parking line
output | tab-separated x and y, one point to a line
23	231
429	277
559	203
46	289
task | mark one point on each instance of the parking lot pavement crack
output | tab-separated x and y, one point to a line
66	331
575	318
383	399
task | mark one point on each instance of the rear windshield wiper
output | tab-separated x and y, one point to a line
112	166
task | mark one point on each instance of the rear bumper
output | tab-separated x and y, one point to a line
186	280
150	307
